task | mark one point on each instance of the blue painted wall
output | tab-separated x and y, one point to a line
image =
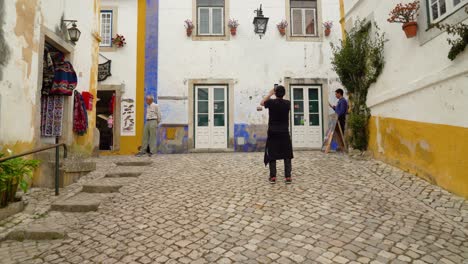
151	49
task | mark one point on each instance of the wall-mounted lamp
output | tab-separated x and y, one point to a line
260	22
73	32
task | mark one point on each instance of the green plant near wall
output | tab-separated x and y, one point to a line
358	60
459	40
15	173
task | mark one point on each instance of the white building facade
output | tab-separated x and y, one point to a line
418	104
209	84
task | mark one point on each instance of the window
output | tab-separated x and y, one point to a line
106	28
210	17
304	18
440	9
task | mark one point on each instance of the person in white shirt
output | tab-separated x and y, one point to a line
153	117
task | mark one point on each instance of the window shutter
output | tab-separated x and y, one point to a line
106	28
217	21
304	4
210	3
204	21
310	22
296	22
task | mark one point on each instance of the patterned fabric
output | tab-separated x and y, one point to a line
80	116
51	115
48	73
65	79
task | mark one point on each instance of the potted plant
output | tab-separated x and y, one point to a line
282	27
233	24
119	41
189	27
406	14
14	173
328	25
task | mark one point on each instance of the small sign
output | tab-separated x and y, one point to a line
334	135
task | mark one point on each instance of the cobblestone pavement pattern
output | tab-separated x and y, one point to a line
219	208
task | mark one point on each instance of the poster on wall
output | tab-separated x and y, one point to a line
128	117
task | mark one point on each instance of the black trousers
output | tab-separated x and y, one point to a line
287	168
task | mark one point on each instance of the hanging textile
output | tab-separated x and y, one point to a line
65	79
48	72
112	104
51	115
80	116
104	69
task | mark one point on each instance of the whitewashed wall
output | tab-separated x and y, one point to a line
124	59
419	82
255	64
19	86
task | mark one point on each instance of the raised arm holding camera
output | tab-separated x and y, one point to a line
278	145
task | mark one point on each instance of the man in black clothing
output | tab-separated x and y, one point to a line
278	145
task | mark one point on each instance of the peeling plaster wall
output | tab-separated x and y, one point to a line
419	104
254	64
22	28
4	48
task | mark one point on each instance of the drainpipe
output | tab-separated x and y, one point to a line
342	18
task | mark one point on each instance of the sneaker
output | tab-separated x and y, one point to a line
272	180
140	154
150	154
288	180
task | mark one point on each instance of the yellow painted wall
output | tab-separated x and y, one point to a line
342	18
129	145
434	152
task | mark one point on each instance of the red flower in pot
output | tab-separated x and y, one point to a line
233	24
406	14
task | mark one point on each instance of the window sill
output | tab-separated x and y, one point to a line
210	38
107	49
304	38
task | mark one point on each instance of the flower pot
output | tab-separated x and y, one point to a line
233	31
282	31
189	32
327	32
411	29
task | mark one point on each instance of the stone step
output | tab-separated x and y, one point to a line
133	163
42	231
101	188
123	174
80	203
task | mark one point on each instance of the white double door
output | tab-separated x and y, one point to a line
306	116
211	114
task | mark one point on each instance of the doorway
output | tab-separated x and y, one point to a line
306	116
211	117
105	121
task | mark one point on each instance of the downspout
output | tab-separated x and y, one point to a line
342	18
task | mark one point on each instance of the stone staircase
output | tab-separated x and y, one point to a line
70	171
92	194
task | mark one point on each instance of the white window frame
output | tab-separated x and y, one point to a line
449	4
210	21
111	12
303	34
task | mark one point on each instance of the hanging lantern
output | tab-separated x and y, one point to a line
74	33
260	22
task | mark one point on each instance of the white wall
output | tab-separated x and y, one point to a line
419	82
255	64
124	59
19	86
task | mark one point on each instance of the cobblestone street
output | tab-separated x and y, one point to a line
220	208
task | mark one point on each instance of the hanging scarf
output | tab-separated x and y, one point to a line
51	115
80	116
65	79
